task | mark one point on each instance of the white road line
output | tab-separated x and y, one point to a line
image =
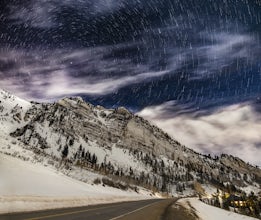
136	210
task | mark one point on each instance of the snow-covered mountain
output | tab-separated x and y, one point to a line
113	143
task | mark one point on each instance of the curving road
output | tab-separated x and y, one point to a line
138	210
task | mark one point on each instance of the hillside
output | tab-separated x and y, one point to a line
28	186
76	135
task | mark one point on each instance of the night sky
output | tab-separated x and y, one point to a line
193	67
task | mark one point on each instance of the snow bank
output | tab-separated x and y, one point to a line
25	187
207	212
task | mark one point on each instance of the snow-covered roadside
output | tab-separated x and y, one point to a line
207	212
25	187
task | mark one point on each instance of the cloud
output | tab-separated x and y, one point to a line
68	85
220	52
39	14
44	13
224	50
59	73
233	130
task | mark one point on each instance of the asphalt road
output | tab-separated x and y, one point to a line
138	210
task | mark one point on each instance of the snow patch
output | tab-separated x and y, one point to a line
207	212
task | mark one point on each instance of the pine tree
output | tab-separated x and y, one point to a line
65	151
94	159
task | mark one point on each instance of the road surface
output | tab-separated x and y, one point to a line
138	210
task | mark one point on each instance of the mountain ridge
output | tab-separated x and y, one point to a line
120	145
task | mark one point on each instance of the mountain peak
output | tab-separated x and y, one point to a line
77	99
12	111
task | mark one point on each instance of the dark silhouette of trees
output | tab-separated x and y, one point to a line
65	151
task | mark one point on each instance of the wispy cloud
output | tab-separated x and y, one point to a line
233	130
68	85
39	14
219	52
43	13
224	50
61	73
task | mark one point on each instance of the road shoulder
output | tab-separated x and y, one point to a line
179	212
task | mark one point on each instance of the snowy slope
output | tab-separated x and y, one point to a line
207	212
25	186
12	112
